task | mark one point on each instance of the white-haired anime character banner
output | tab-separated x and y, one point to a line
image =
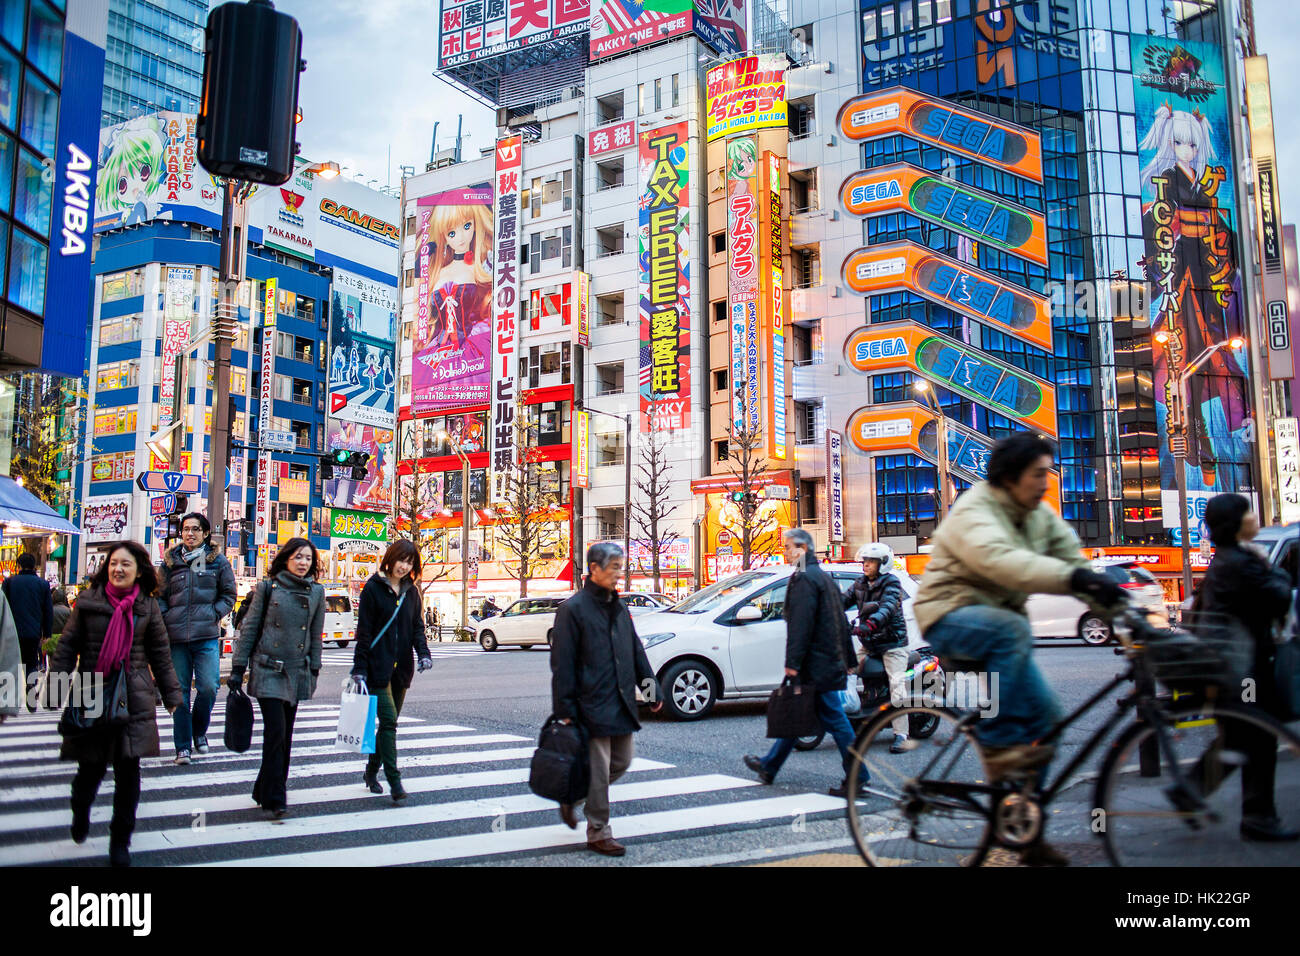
1189	223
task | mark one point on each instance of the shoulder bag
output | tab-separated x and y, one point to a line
560	768
385	628
238	736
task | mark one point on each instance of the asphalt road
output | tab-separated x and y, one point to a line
468	729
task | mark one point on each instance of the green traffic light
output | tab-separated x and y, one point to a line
342	456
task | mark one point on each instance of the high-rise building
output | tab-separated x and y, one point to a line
155	58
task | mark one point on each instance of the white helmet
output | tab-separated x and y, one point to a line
875	551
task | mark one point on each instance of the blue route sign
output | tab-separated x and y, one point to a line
174	482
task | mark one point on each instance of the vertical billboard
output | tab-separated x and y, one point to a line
363	336
452	342
1188	202
1268	208
581	432
834	486
505	307
374	492
265	412
742	278
582	291
772	300
178	301
618	26
472	30
664	378
1288	467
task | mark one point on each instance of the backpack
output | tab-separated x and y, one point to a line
242	610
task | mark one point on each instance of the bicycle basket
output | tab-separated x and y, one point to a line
1208	650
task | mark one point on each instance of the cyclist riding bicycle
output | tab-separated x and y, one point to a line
998	545
881	629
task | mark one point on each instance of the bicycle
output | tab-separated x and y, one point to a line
1158	800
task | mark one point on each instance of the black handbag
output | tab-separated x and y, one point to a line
239	721
792	711
1286	678
560	768
113	710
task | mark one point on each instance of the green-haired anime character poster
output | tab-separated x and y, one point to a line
148	169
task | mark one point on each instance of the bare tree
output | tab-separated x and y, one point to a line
747	465
37	450
528	532
415	503
651	506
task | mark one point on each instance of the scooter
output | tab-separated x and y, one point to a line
925	676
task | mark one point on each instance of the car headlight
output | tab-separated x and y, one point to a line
650	640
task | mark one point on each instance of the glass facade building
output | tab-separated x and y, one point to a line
155	57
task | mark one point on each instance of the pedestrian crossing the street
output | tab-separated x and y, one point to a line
469	801
332	656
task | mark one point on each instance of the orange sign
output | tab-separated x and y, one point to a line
955	285
903	187
960	368
946	125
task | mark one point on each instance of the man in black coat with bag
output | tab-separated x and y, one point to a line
818	653
597	664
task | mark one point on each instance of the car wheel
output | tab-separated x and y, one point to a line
1093	630
488	641
922	726
690	690
809	743
342	643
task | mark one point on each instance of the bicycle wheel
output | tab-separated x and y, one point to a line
1150	819
916	809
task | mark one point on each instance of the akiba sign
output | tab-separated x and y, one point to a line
940	123
947	362
897	266
903	187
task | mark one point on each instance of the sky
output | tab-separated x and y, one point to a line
369	85
1277	32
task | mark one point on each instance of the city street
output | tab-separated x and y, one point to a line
467	732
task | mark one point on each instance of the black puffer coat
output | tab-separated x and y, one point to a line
889	629
391	660
78	649
817	641
597	662
1241	584
194	600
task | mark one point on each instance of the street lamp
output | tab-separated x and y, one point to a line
922	388
464	525
326	170
1178	444
627	488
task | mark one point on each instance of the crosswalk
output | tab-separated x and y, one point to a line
332	656
469	801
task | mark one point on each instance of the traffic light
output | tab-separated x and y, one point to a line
182	502
342	458
249	104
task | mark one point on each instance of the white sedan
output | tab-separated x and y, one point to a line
727	641
524	623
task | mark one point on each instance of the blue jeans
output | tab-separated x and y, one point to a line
831	713
1026	707
198	662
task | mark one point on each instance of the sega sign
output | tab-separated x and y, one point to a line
877	349
874	192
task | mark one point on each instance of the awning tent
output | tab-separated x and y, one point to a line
22	513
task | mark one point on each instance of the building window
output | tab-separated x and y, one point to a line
806	415
609	523
117	331
609	378
641	102
719	240
810	498
609	240
118	375
609	448
803	119
123	285
676	90
609	309
720	451
720	311
720	380
806	267
659	94
609	174
803	191
609	108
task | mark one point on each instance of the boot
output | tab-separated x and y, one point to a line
80	823
119	855
372	780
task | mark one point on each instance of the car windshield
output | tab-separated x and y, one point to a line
716	594
337	604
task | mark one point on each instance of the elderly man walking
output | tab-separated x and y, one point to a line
817	651
597	663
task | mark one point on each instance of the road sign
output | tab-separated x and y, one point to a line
278	441
172	481
162	505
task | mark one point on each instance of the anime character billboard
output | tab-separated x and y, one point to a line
1188	215
453	348
148	169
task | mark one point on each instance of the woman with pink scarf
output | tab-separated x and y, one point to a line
117	624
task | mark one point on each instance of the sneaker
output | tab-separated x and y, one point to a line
201	744
182	758
118	855
899	746
756	764
841	789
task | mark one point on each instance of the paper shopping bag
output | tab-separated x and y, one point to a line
358	716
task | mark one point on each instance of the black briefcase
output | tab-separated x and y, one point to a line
239	721
560	770
792	710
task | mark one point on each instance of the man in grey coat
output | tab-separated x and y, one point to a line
196	590
597	664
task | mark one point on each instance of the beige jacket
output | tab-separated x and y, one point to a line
992	551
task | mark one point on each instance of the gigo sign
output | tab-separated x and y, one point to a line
947	362
903	187
940	123
896	266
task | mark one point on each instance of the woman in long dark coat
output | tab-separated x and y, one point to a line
117	623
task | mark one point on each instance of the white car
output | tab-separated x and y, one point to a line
1063	615
640	602
526	622
727	641
340	618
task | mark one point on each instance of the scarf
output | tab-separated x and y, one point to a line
121	629
196	556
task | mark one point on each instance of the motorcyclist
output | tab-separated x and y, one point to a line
881	629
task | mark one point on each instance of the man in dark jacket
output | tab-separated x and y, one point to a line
881	628
32	604
817	651
197	590
597	665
